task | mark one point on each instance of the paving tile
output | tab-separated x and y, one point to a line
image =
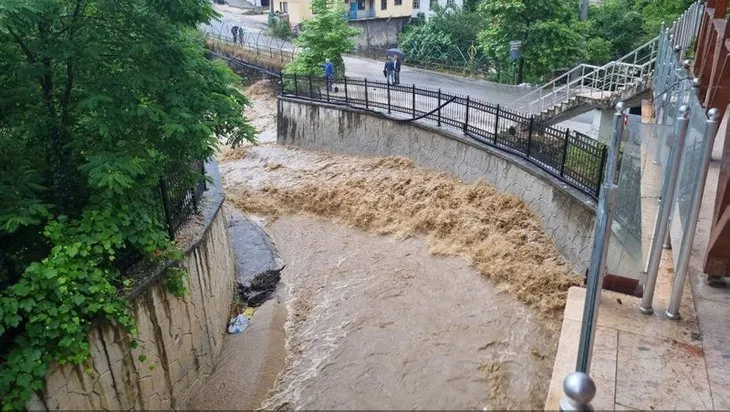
625	316
659	374
716	343
603	367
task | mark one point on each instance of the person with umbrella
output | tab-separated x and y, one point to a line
398	56
388	70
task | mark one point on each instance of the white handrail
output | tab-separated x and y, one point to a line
633	69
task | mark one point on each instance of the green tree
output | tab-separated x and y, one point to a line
616	22
325	36
101	98
445	38
547	30
656	12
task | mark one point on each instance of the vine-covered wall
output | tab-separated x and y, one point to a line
178	342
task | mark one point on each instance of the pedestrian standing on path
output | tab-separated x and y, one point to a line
396	71
234	32
329	73
388	70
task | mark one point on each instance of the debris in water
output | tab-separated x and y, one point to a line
237	324
261	288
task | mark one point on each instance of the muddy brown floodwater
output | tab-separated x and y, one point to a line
450	298
376	322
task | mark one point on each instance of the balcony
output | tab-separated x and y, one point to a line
361	14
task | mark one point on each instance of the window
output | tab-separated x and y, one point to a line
416	4
361	4
283	7
433	4
398	2
383	4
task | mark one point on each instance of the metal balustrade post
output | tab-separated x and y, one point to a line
665	210
327	86
578	387
439	110
311	90
366	93
466	116
496	125
529	135
413	98
296	87
688	234
565	152
166	209
387	83
345	81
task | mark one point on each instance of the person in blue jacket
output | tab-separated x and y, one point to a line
329	73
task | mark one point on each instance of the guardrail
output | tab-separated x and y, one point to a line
570	156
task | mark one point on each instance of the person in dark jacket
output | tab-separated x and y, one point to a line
388	70
396	70
234	32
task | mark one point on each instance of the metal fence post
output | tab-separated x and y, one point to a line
665	209
388	87
579	388
366	92
529	136
466	116
496	124
327	86
345	80
688	235
438	118
281	84
311	90
565	152
604	156
413	98
296	87
166	209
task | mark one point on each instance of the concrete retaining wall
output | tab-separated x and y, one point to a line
568	215
180	338
382	33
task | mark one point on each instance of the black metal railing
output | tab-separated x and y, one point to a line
177	196
570	156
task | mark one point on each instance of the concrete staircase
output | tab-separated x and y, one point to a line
587	87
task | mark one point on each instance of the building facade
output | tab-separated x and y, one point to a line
380	21
428	7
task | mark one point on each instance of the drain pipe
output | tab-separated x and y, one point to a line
578	387
688	235
665	209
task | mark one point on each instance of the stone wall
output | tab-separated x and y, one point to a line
179	339
380	33
568	215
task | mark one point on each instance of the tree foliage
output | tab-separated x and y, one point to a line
445	38
547	30
101	98
325	36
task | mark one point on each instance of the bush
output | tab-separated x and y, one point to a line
279	28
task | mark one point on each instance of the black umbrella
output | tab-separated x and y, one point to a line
396	52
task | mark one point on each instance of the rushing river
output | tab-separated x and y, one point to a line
375	322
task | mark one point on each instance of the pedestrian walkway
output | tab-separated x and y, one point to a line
650	362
